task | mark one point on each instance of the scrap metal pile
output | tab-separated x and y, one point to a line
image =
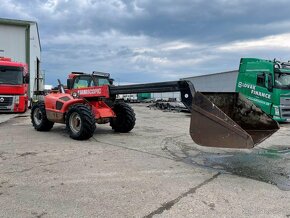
176	106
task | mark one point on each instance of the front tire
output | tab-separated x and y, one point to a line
39	119
80	122
125	118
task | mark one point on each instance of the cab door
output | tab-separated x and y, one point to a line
262	94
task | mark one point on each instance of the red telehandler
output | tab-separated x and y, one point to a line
217	119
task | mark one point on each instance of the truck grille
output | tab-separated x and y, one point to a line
5	101
285	107
285	101
285	112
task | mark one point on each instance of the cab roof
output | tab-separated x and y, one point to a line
4	61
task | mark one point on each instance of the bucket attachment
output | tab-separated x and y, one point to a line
228	120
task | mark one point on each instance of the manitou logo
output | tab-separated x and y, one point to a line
90	91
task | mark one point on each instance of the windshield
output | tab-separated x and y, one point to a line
103	81
83	82
282	80
89	81
11	75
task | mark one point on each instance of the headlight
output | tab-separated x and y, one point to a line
75	95
277	113
16	99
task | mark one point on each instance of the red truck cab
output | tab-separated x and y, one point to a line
14	82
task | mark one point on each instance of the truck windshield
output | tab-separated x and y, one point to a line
282	80
11	75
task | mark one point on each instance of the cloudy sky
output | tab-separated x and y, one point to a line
154	40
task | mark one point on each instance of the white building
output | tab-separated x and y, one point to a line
20	41
216	82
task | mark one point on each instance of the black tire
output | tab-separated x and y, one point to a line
39	119
80	122
125	118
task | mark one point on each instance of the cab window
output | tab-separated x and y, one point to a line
103	81
83	82
261	78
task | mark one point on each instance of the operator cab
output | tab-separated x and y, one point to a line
81	80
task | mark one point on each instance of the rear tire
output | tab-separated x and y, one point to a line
39	119
125	118
80	122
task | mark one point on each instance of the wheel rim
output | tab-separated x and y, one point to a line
75	122
37	116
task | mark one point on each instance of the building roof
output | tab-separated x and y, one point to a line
16	22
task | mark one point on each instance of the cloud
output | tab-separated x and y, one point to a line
10	7
141	40
273	42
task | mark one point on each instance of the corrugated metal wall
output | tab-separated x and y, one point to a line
21	45
218	82
13	42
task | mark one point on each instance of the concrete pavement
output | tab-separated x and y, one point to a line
154	171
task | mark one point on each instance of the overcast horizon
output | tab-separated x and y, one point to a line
148	41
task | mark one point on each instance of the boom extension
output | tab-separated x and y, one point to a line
217	119
186	89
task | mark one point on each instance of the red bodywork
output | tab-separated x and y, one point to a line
57	104
13	98
95	96
99	107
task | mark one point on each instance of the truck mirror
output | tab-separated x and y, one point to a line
269	83
26	78
69	83
111	81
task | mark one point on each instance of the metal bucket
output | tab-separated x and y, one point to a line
228	120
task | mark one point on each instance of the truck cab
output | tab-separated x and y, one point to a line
267	84
14	81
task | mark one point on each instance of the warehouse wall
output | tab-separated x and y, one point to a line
21	45
218	82
34	56
13	42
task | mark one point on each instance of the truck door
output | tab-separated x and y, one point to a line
262	94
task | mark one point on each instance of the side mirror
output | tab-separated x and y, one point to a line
111	81
69	83
269	82
26	78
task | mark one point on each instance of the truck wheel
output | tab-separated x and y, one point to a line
125	118
80	122
39	119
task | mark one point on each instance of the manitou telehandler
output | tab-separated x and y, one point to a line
217	119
